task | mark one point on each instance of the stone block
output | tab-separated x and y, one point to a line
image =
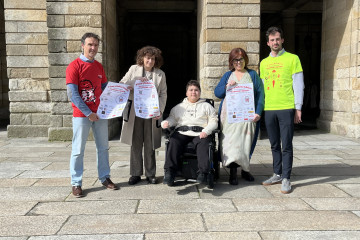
67	120
60	134
73	46
57	46
95	21
56	121
55	21
11	27
27	61
212	47
28	84
16	50
215	72
19	73
32	27
216	59
213	22
39	73
26	38
253	47
76	8
37	50
40	119
226	47
58	96
232	35
17	131
30	107
71	33
254	22
57	83
60	108
21	4
233	10
343	73
234	22
62	58
25	15
20	119
253	59
57	71
26	96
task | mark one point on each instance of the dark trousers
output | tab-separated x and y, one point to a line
280	128
142	137
176	147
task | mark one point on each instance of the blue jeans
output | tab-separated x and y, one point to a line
81	128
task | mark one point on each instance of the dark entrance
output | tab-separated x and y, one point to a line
307	45
172	32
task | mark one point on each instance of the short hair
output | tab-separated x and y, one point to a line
237	52
272	31
193	83
152	51
89	35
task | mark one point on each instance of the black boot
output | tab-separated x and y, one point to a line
169	177
233	180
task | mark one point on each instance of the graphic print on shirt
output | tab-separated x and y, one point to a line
273	79
87	91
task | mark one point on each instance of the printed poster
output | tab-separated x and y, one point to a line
240	103
113	100
146	99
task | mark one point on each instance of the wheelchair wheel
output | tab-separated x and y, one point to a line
210	180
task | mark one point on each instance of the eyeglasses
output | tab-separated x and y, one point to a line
241	60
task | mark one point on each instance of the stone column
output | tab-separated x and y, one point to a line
224	25
340	75
27	68
67	22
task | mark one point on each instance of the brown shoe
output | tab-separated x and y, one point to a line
77	191
109	184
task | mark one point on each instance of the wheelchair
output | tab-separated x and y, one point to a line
188	164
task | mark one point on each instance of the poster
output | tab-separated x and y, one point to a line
240	103
113	100
146	99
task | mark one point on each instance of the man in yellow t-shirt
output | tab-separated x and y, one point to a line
283	79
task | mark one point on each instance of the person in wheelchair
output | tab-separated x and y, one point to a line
194	120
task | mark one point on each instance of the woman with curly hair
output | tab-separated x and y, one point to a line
138	132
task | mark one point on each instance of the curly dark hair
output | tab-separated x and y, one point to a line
235	53
152	51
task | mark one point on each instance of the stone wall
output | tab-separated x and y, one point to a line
340	71
4	81
27	68
224	25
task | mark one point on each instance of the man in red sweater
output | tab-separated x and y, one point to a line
85	80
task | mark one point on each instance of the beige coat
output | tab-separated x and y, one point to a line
159	80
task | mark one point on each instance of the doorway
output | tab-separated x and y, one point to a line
174	33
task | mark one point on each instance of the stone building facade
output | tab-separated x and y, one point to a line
42	38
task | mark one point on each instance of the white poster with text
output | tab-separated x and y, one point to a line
240	103
146	99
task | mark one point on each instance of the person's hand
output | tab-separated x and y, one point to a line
158	117
231	83
203	135
257	117
143	79
297	117
165	124
130	88
93	117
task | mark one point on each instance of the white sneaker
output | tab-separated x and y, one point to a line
273	180
286	186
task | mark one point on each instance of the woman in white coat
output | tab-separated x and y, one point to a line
138	132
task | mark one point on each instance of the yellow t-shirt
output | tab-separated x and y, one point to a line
278	83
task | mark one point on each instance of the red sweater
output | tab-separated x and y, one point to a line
89	77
